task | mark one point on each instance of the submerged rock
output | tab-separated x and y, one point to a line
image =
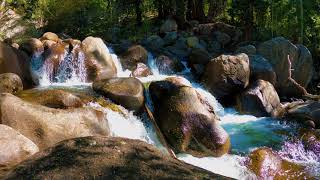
260	99
10	83
267	164
47	126
134	55
311	140
227	75
14	148
99	61
128	92
106	158
187	122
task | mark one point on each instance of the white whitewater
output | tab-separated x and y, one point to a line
247	132
71	70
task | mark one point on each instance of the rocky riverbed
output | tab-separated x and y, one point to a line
176	106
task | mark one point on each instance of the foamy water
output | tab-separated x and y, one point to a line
247	132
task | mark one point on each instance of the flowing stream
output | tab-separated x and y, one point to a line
246	132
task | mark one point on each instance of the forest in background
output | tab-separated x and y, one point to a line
113	20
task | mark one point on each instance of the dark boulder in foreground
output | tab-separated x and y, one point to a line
260	99
106	158
127	92
186	120
227	75
10	83
267	164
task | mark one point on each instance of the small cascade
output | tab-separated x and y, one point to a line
70	70
228	165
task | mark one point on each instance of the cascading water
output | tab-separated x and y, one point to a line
246	132
70	71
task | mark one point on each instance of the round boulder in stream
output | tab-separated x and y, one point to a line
186	121
227	75
10	83
134	55
260	99
128	92
99	62
106	158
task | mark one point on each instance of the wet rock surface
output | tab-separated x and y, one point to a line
189	125
128	92
47	126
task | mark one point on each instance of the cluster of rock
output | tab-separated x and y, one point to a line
56	123
255	77
63	138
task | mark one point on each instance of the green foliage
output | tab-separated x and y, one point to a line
298	20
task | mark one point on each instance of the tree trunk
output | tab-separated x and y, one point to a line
196	10
216	8
138	11
181	11
249	24
2	7
165	8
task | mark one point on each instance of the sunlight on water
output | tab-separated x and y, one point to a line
125	125
71	70
227	165
294	151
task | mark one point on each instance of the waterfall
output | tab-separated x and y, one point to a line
70	71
